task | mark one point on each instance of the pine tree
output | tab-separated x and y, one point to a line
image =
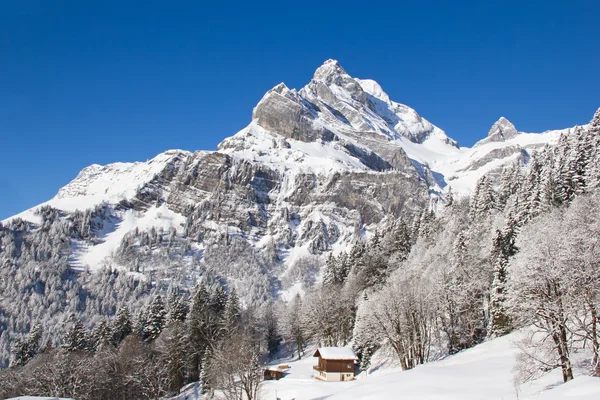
19	352
204	373
402	241
101	335
76	337
296	326
155	320
232	313
121	326
483	199
272	336
33	341
177	307
592	174
197	322
218	301
329	276
503	248
356	254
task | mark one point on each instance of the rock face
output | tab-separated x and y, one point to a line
501	131
315	170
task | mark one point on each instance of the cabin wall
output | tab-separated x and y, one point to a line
339	366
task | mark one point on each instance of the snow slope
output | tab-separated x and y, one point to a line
88	256
483	372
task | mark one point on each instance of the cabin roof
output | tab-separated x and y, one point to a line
335	353
277	369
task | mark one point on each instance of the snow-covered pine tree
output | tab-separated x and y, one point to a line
121	326
177	306
196	329
502	249
366	336
592	173
155	319
204	373
34	345
232	314
218	301
77	337
329	275
101	335
294	326
271	328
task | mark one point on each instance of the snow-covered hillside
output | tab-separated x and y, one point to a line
484	372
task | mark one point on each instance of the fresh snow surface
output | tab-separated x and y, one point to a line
453	164
261	146
114	182
336	353
93	256
98	184
483	372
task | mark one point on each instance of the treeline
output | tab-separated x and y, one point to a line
150	354
523	254
519	253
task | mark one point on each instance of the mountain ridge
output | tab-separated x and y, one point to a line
314	168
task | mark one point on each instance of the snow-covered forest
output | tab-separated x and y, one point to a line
521	252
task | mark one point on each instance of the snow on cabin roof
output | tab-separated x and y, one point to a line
276	368
335	353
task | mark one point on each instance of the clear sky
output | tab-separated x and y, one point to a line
85	82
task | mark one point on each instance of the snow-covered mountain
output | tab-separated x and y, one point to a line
314	169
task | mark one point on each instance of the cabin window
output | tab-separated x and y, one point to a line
349	366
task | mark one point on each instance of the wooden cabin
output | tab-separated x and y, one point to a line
336	364
276	373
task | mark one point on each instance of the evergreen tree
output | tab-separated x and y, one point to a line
218	301
155	320
34	340
197	321
177	307
295	324
329	276
101	335
592	174
232	316
20	352
356	254
76	337
503	248
483	199
272	336
204	373
121	326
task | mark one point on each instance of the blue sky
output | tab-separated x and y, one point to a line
85	82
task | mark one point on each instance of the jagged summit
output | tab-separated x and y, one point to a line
334	105
503	129
329	70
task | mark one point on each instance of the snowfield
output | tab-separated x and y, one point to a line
483	372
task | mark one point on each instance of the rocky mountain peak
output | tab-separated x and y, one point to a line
329	70
503	129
